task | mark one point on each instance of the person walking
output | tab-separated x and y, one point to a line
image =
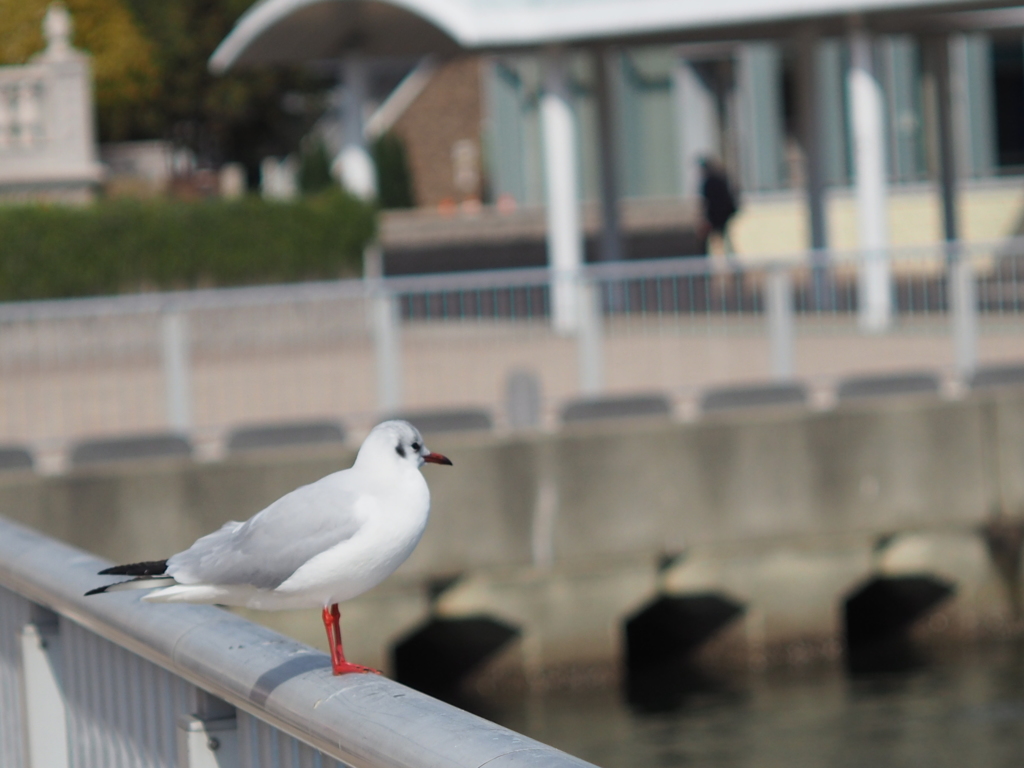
720	205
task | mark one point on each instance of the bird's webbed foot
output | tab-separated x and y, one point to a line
347	667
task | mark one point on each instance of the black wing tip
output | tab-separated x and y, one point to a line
98	590
147	568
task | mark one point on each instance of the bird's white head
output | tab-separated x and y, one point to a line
396	442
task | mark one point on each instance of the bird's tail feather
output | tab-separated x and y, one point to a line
139	582
148	568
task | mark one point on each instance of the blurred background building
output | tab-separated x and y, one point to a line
457	121
288	220
769	93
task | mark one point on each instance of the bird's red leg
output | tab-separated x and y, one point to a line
332	623
332	638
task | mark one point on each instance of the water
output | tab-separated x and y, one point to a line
959	710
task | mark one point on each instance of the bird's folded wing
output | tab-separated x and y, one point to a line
268	548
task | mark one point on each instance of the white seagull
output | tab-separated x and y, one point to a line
317	546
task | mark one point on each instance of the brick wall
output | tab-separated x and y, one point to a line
447	112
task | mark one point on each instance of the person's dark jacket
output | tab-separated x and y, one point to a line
719	203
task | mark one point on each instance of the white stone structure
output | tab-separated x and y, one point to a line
47	136
279	179
146	165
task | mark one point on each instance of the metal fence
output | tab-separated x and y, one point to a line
203	362
110	682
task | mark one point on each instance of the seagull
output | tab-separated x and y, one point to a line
315	547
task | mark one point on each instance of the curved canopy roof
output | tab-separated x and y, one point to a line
300	30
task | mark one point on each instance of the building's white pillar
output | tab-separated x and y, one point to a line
868	132
561	181
353	166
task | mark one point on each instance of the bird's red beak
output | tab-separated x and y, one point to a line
437	458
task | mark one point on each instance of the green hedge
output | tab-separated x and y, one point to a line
127	246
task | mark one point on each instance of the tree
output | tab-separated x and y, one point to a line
242	116
315	167
152	82
393	177
122	57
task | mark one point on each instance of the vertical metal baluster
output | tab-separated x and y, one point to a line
964	316
387	348
177	376
589	340
779	300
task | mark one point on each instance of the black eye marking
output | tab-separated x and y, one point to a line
416	447
400	450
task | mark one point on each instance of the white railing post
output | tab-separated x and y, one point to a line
177	375
45	716
589	339
963	300
779	311
208	743
387	347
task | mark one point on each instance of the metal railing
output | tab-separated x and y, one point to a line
116	683
204	361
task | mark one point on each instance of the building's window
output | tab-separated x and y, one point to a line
647	120
1008	70
899	62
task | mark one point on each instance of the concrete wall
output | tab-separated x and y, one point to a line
616	488
776	223
560	534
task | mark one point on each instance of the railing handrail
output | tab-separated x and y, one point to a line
203	298
354	288
365	720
